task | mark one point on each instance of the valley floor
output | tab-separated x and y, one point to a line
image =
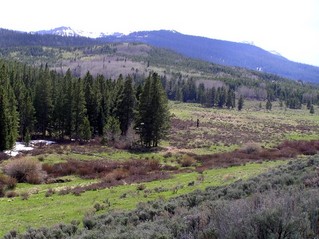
229	146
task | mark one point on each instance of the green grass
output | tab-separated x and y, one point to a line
39	210
297	136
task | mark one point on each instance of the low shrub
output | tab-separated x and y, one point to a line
250	148
24	195
140	187
6	183
50	192
187	161
11	194
65	191
25	170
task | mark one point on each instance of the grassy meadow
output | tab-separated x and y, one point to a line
174	168
225	130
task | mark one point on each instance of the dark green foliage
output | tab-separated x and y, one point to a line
268	105
51	104
85	130
126	106
230	102
8	112
62	107
240	103
201	94
92	101
221	96
112	130
153	118
43	101
312	109
78	110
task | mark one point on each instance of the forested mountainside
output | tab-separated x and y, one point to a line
184	79
223	52
82	54
219	52
10	38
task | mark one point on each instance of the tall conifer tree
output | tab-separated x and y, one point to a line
78	110
8	112
153	120
43	101
126	106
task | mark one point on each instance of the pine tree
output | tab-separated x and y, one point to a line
93	101
13	117
43	101
68	102
221	96
240	103
201	94
78	110
27	138
126	106
59	108
230	102
104	87
8	112
268	105
144	120
4	121
312	109
213	97
27	115
153	121
112	130
85	132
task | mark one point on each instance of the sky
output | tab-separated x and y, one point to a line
288	27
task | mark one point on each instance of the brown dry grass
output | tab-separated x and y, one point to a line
286	150
25	170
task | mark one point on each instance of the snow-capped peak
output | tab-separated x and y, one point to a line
68	31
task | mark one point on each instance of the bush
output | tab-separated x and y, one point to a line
50	192
250	148
11	194
6	183
25	170
25	196
140	187
187	161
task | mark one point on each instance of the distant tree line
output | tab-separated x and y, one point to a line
10	38
37	102
225	92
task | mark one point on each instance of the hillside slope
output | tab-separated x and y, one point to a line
82	54
223	52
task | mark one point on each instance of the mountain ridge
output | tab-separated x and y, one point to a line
221	52
224	52
70	32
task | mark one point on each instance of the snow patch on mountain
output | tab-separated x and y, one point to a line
70	32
